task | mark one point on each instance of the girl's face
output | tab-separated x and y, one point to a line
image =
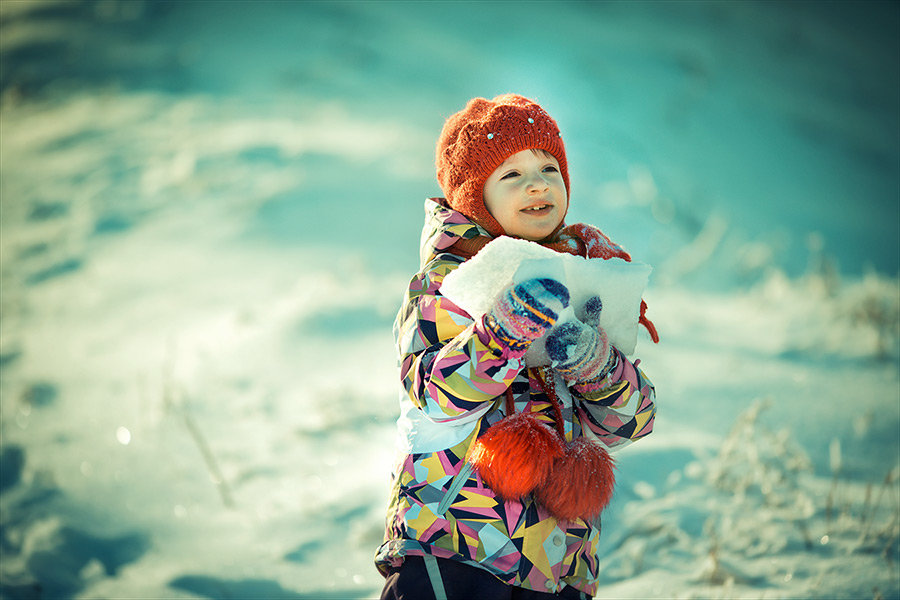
526	195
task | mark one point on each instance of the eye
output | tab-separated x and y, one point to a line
510	175
551	169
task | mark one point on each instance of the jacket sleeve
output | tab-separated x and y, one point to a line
451	370
619	408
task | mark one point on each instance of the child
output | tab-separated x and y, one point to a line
504	469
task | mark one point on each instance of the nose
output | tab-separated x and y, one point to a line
537	184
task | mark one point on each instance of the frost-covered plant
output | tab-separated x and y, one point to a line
875	303
757	517
776	505
755	460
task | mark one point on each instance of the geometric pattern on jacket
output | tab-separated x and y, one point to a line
453	385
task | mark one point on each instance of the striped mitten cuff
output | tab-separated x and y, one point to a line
524	312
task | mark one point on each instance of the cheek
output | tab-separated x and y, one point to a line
490	202
496	199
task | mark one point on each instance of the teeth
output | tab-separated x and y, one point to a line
543	206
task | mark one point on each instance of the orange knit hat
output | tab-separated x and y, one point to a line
477	139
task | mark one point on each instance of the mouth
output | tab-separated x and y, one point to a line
537	209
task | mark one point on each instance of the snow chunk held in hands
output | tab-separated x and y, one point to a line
477	283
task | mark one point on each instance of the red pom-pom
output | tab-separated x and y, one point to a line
580	484
516	454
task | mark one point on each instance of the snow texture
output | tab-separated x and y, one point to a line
209	213
476	285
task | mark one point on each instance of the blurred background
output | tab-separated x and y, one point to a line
209	212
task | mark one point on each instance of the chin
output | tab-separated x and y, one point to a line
533	232
544	232
536	236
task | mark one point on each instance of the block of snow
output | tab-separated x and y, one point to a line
476	284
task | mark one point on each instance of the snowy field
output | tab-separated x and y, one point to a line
209	212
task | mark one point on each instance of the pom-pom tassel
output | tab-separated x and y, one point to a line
580	484
516	454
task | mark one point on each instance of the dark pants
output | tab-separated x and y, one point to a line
461	582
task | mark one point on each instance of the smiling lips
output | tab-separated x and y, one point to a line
538	209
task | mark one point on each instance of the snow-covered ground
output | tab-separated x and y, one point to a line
209	212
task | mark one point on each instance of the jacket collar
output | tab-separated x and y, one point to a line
443	228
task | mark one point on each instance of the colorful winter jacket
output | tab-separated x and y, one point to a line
454	383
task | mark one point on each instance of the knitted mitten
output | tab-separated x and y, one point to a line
580	350
524	312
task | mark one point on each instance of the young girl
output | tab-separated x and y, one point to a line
504	468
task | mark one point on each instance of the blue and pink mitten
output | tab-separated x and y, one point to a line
524	312
580	350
